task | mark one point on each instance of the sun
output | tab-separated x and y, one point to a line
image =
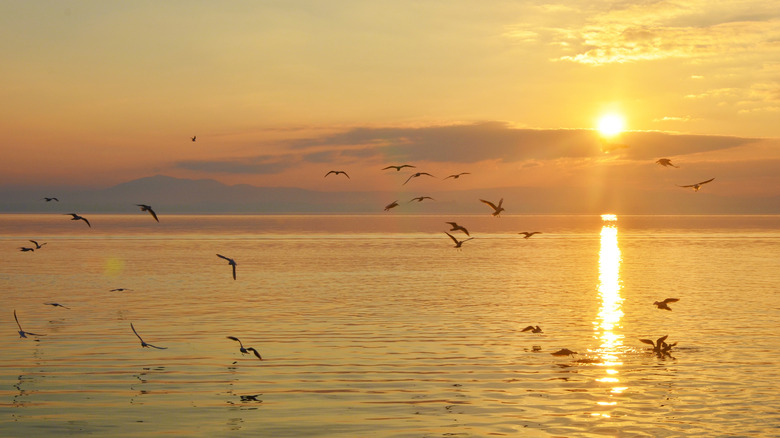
611	125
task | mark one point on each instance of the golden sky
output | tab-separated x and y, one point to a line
95	93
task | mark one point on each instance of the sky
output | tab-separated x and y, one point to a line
278	93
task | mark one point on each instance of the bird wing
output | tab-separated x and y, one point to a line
407	180
661	340
500	202
391	167
255	352
332	171
648	341
223	257
136	333
705	182
154	215
530	327
452	237
670	300
237	340
36	243
85	220
234	271
345	174
154	346
689	185
17	321
493	206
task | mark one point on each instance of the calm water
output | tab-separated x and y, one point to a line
376	326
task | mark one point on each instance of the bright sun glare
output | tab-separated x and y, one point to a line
611	125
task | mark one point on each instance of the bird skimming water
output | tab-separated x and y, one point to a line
665	303
143	343
528	234
22	333
245	350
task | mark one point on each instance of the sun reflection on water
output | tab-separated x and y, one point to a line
607	324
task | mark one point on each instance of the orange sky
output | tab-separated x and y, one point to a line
97	93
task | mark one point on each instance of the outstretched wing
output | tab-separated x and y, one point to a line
154	215
493	206
648	341
530	327
670	300
705	182
136	333
452	237
223	257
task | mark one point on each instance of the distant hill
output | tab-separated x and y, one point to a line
178	195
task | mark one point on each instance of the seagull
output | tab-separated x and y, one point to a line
338	172
456	227
458	243
665	162
660	346
664	304
391	205
456	176
22	333
120	289
532	329
697	186
149	209
398	168
496	209
57	305
38	246
563	352
529	233
144	344
230	262
420	199
415	176
194	137
77	217
245	350
51	199
25	249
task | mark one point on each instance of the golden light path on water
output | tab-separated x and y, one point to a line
608	322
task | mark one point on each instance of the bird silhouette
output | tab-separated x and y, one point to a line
22	333
391	205
51	199
532	329
338	172
529	233
26	249
77	217
563	352
458	243
665	303
456	227
497	209
697	186
415	175
194	137
457	175
245	350
37	245
660	346
57	305
231	262
143	343
420	199
665	162
398	168
145	207
120	289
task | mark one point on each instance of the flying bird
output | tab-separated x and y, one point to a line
458	243
665	303
532	329
563	352
665	162
38	246
529	233
231	262
398	168
51	199
194	137
697	186
120	289
415	175
457	175
57	305
391	205
144	344
77	217
149	209
22	333
338	172
420	199
496	209
456	227
245	350
25	249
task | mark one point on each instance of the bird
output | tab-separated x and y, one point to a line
398	168
563	352
144	344
458	243
25	249
415	175
665	303
245	350
665	162
37	245
338	172
391	205
194	137
51	199
457	175
529	233
456	227
57	305
22	333
420	199
532	329
697	186
496	209
231	262
120	289
660	346
145	207
77	217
